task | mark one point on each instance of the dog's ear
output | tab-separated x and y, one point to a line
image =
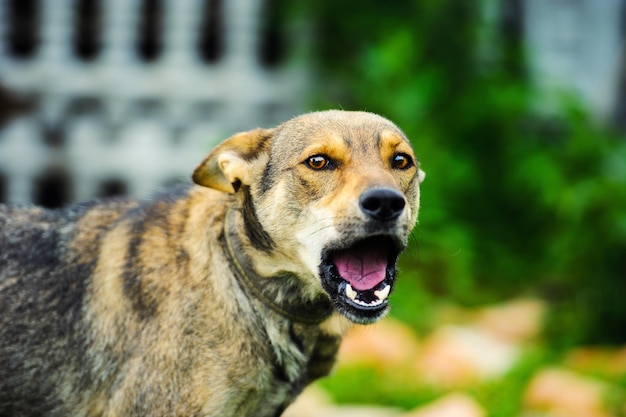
228	166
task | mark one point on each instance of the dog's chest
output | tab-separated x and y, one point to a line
294	356
305	354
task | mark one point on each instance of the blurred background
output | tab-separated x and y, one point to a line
516	273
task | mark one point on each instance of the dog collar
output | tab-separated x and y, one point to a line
277	292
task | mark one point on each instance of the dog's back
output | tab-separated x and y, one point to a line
111	308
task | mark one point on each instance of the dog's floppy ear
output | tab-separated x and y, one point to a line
227	167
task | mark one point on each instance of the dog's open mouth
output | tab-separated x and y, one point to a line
360	277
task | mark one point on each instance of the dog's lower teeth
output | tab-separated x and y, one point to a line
384	293
381	296
372	304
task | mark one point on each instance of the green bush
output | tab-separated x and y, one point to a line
514	202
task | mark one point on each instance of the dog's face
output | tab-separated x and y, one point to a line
334	196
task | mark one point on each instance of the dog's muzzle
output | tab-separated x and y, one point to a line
359	275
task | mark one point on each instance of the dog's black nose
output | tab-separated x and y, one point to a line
382	203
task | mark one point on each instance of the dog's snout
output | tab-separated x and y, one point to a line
382	204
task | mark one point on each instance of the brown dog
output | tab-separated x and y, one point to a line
220	300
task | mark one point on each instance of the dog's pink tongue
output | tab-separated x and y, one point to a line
363	269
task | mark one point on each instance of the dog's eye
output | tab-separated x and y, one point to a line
401	161
318	162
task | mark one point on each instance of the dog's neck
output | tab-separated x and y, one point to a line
281	293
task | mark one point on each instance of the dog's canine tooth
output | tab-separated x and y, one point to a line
384	293
350	292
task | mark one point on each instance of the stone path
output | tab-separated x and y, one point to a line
472	347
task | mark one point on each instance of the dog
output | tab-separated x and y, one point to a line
221	298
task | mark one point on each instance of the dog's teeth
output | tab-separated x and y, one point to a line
350	292
384	293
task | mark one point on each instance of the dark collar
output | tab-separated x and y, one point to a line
281	293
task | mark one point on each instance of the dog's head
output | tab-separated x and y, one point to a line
331	196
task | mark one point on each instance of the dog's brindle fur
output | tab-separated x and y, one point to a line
122	308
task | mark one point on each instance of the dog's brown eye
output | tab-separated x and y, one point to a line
318	162
401	161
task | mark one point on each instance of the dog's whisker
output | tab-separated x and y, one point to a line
321	229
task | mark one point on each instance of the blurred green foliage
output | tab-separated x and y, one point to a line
504	396
515	202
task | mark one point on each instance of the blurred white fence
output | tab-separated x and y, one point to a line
133	96
577	46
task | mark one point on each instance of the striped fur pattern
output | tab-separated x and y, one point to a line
127	308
